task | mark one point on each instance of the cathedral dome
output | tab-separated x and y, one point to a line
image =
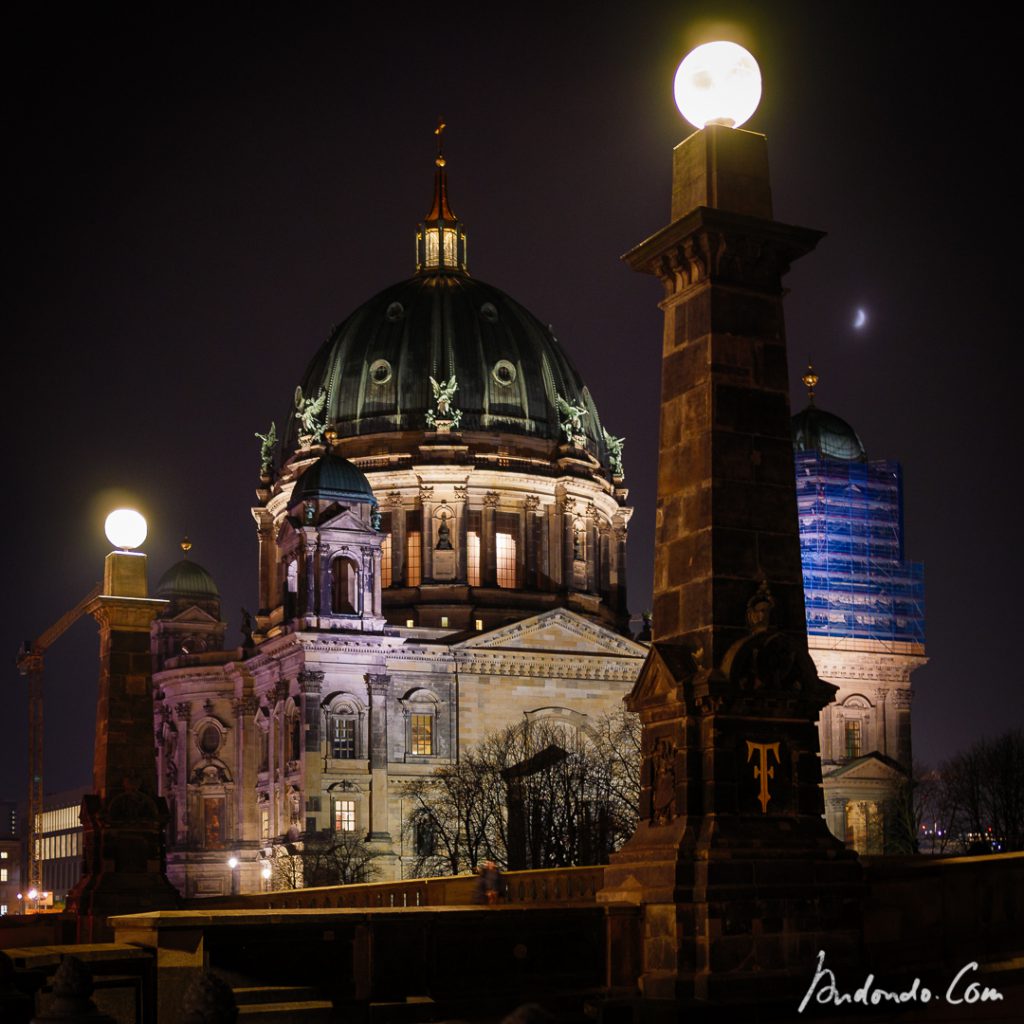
815	430
186	579
375	368
333	478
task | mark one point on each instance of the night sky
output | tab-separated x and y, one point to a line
195	201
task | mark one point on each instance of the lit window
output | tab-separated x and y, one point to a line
473	558
409	623
385	561
3	909
421	735
413	566
344	815
449	247
479	624
3	855
444	621
506	551
3	874
853	739
432	247
343	738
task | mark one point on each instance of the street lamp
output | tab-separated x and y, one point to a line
233	864
718	83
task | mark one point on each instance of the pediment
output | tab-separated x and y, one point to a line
345	519
191	615
558	630
873	767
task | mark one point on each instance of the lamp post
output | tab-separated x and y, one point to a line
233	865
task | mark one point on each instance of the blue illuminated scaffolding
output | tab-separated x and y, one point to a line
856	581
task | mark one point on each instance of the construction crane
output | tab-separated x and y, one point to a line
30	663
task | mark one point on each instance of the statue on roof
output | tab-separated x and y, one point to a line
614	446
308	412
268	442
570	415
444	417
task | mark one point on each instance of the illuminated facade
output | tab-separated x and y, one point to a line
865	623
442	551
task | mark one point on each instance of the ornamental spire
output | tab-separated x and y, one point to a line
810	381
440	240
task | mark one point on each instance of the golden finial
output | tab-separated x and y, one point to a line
331	434
439	132
186	545
810	380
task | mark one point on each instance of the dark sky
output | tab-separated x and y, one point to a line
195	200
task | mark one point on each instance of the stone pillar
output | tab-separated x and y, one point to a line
461	524
124	819
427	504
326	575
247	753
740	881
310	682
378	687
394	502
488	542
531	572
568	545
882	720
269	593
279	759
593	553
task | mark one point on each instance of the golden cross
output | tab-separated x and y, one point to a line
762	770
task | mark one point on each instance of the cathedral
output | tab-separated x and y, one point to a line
442	551
442	527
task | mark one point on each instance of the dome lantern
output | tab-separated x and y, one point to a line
441	238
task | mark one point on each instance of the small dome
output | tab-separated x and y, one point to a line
815	430
333	478
187	579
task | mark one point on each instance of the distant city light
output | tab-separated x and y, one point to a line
125	528
33	894
718	83
860	318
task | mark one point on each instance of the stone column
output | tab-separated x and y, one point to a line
247	753
531	574
882	721
378	687
124	819
740	881
488	541
593	554
568	545
310	683
461	507
326	575
427	504
270	589
279	756
394	503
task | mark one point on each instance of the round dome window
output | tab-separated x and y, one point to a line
489	313
209	740
380	371
395	311
504	372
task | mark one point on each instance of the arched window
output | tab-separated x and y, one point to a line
344	584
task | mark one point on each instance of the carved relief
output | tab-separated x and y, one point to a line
662	768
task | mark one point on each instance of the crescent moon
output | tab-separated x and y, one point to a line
860	319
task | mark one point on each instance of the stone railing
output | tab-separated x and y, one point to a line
546	886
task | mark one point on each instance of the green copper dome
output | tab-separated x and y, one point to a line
375	368
187	579
333	478
815	430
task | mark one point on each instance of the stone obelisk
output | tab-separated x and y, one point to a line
740	880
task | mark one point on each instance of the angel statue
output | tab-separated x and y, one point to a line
444	392
308	411
614	446
268	442
571	417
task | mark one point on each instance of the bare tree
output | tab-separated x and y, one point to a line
545	794
324	858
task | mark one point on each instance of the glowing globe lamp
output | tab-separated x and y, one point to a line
125	528
718	83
